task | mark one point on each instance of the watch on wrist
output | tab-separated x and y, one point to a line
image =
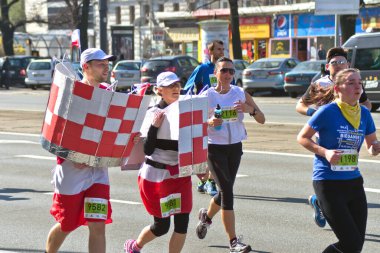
254	112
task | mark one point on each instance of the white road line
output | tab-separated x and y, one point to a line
20	134
372	190
298	155
17	142
36	157
241	175
112	200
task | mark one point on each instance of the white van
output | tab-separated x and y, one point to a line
39	73
364	54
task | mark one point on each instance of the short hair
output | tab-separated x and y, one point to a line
211	45
223	59
335	51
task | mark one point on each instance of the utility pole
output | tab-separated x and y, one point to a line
103	25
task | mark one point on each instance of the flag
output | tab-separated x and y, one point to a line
75	38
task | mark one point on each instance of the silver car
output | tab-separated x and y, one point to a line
39	73
240	65
127	73
267	74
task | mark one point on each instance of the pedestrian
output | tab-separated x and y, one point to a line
163	193
310	101
79	186
342	125
202	76
321	53
225	148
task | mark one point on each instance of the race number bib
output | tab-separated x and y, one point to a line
348	161
170	205
213	80
229	114
95	208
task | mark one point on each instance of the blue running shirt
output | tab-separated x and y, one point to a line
335	132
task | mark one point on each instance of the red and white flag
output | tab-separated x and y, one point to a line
75	38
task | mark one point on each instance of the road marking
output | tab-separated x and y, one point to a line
36	157
298	155
241	175
17	142
372	190
111	200
20	134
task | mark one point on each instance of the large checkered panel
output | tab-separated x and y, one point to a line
91	125
193	139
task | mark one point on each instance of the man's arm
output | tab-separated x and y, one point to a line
302	106
365	101
193	79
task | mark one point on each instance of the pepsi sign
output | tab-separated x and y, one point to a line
281	28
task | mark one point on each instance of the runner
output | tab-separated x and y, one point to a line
204	75
342	125
225	148
78	185
336	61
158	180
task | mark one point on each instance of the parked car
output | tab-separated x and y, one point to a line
267	74
240	65
182	65
13	69
364	54
298	79
39	73
127	73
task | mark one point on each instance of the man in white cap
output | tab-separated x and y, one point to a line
82	193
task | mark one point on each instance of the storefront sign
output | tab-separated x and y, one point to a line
308	24
281	26
254	31
187	34
369	19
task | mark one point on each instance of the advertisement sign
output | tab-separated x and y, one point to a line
369	19
304	25
328	7
213	30
281	26
122	42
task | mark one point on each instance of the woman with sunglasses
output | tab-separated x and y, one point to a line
225	148
163	193
343	125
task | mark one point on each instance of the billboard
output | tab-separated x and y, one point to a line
328	7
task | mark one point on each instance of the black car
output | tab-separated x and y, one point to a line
13	70
182	65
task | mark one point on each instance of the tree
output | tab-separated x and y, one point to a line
234	19
8	26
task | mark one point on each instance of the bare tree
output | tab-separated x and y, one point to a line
8	27
234	19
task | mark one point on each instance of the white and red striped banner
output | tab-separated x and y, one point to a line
91	125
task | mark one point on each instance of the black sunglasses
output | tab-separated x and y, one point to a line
225	70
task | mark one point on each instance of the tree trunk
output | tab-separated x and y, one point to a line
347	26
83	25
234	18
7	29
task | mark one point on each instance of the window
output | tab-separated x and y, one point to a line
146	10
367	59
176	7
131	14
118	15
160	7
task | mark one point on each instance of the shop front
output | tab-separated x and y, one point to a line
254	35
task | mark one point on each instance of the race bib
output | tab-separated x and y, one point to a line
229	113
170	205
348	161
213	80
95	208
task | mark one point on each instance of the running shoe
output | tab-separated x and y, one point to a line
318	215
128	246
203	224
210	188
201	186
239	247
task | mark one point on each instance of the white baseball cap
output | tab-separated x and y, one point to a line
166	78
94	54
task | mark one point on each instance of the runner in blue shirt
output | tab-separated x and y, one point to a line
343	126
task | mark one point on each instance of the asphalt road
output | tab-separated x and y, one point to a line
270	193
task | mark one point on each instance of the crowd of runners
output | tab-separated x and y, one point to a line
339	123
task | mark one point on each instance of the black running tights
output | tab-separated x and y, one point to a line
344	205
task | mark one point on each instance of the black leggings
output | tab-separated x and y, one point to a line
161	225
344	205
223	162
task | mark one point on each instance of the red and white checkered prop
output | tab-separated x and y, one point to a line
90	125
193	138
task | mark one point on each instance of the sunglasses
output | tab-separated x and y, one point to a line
335	63
225	70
